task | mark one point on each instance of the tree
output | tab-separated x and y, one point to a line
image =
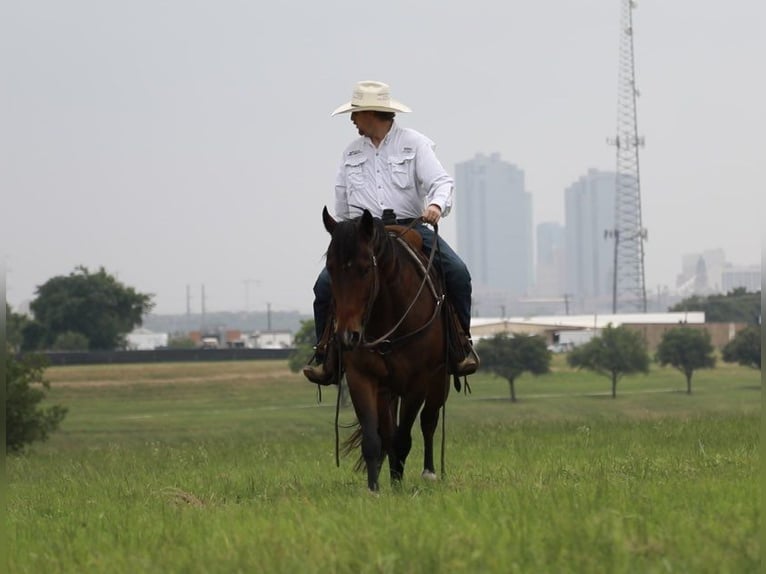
25	421
70	341
687	350
95	305
618	351
304	342
509	357
736	306
745	348
181	342
15	324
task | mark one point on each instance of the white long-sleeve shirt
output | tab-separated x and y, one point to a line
402	174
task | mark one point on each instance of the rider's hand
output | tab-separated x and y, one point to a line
432	214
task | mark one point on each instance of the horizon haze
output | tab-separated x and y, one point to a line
189	143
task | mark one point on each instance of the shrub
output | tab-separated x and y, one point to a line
25	420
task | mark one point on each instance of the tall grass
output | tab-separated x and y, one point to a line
230	468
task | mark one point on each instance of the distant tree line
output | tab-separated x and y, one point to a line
617	352
736	306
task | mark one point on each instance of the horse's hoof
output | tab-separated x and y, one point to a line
428	475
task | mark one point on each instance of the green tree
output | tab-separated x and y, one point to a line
96	305
15	324
687	350
304	342
509	357
618	351
745	348
25	386
736	306
181	342
70	341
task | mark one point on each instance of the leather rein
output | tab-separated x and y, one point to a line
384	344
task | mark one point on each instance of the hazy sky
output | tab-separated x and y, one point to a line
182	142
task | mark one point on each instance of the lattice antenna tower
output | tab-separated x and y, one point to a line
629	287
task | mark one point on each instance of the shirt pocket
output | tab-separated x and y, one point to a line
355	172
402	170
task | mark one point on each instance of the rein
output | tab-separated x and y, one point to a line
383	340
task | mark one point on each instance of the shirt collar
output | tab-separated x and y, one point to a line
385	140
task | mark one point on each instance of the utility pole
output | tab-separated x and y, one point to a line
629	282
615	234
202	323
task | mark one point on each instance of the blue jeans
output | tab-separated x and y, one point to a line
456	275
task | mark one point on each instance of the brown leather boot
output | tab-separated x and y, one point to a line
323	371
470	362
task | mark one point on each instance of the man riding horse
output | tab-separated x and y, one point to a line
390	167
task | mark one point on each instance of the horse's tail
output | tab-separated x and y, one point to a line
352	443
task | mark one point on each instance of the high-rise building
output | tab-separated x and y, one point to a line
701	273
589	213
494	227
741	276
550	269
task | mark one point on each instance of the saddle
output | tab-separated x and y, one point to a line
456	338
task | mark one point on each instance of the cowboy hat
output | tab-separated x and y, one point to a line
370	95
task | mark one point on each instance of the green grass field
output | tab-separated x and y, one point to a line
230	467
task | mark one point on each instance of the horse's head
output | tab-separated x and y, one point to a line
352	265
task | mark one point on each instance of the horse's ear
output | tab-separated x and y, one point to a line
367	225
329	222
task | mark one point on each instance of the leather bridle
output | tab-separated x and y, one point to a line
384	343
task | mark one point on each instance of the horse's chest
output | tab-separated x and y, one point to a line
370	363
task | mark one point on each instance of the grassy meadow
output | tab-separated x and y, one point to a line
230	467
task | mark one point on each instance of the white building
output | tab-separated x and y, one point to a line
271	340
145	340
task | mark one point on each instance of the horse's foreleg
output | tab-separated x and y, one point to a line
387	410
364	397
410	405
429	418
401	448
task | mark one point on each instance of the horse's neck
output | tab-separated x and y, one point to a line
402	276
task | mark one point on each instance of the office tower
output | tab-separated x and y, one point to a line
494	226
701	273
589	211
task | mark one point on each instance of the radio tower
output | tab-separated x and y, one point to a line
629	289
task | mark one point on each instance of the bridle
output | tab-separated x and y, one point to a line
384	343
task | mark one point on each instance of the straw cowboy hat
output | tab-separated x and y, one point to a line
370	95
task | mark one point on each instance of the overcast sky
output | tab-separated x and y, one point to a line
183	142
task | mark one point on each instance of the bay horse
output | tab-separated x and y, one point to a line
390	329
